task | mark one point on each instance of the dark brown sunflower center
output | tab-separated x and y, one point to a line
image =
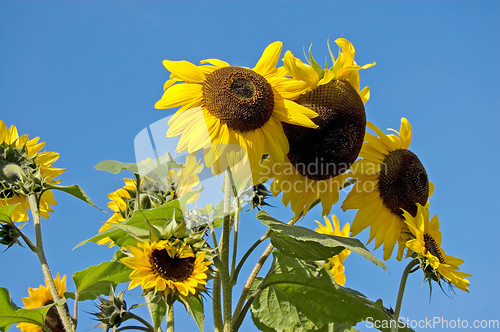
329	150
403	182
53	320
238	97
175	269
432	247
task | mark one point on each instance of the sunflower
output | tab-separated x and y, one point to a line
123	200
233	112
39	297
389	178
316	165
335	264
25	153
168	267
426	243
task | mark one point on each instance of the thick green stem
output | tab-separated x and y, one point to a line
401	291
227	286
35	212
170	316
149	327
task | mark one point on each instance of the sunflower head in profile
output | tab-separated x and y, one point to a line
390	179
39	297
316	165
152	194
425	241
24	170
234	113
168	267
335	264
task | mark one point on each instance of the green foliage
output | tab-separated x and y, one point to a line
195	307
303	297
6	213
11	314
98	279
158	308
303	243
73	190
139	225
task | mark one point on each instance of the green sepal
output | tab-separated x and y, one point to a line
12	314
73	190
303	297
330	51
96	280
317	68
303	243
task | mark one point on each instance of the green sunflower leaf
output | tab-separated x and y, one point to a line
73	190
120	233
302	297
12	314
6	213
195	308
337	327
96	280
303	243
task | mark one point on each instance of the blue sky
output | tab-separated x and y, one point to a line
84	76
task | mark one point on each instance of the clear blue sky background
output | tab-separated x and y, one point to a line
84	77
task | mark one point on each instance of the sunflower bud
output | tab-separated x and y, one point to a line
260	193
8	235
113	311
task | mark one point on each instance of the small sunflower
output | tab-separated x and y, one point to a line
316	165
389	178
168	267
123	200
25	153
426	243
335	264
223	107
39	297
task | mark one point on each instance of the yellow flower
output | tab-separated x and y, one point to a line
123	200
344	68
168	268
427	244
316	165
335	264
389	178
233	112
27	151
39	297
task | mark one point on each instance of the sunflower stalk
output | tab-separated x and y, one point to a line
33	201
224	254
402	284
170	315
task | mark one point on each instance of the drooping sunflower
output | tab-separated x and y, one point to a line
426	243
389	178
316	165
35	165
233	112
39	297
123	200
168	267
335	264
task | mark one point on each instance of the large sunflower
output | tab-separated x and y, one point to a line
123	200
335	264
426	242
39	297
389	178
316	165
25	153
167	267
223	107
